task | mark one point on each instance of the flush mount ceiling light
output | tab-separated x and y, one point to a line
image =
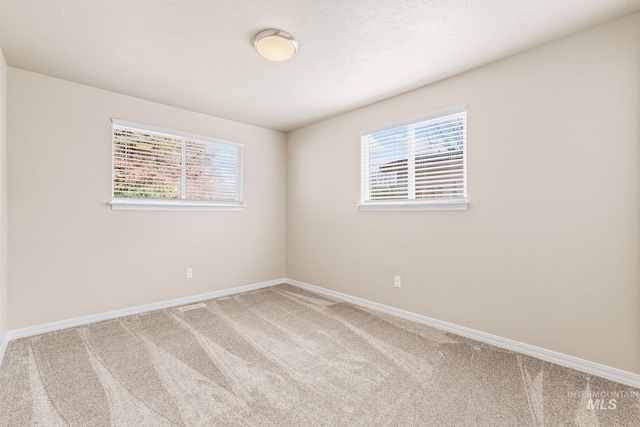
275	45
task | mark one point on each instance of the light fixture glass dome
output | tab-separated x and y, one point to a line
275	45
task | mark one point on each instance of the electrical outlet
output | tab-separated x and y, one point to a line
396	281
189	273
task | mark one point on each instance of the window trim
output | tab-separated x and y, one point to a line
413	204
132	203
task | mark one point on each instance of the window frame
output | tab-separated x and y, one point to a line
131	203
411	204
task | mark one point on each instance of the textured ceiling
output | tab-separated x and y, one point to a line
197	55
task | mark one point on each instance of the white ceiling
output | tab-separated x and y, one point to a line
197	54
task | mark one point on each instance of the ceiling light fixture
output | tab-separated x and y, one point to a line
275	45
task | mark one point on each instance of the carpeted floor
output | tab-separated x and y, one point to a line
282	356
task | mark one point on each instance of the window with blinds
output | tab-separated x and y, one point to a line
417	164
161	168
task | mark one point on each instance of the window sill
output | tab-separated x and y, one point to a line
449	205
152	205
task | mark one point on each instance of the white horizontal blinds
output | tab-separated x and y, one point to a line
212	172
440	157
419	161
153	165
387	160
146	165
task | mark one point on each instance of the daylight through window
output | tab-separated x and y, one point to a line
416	164
164	168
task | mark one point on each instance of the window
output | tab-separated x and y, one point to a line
417	164
156	168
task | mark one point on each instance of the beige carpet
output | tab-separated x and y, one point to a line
283	356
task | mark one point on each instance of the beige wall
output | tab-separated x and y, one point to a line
548	252
3	197
71	255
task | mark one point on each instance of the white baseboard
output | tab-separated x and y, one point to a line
79	321
3	346
578	364
572	362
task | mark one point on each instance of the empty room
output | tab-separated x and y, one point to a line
320	213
